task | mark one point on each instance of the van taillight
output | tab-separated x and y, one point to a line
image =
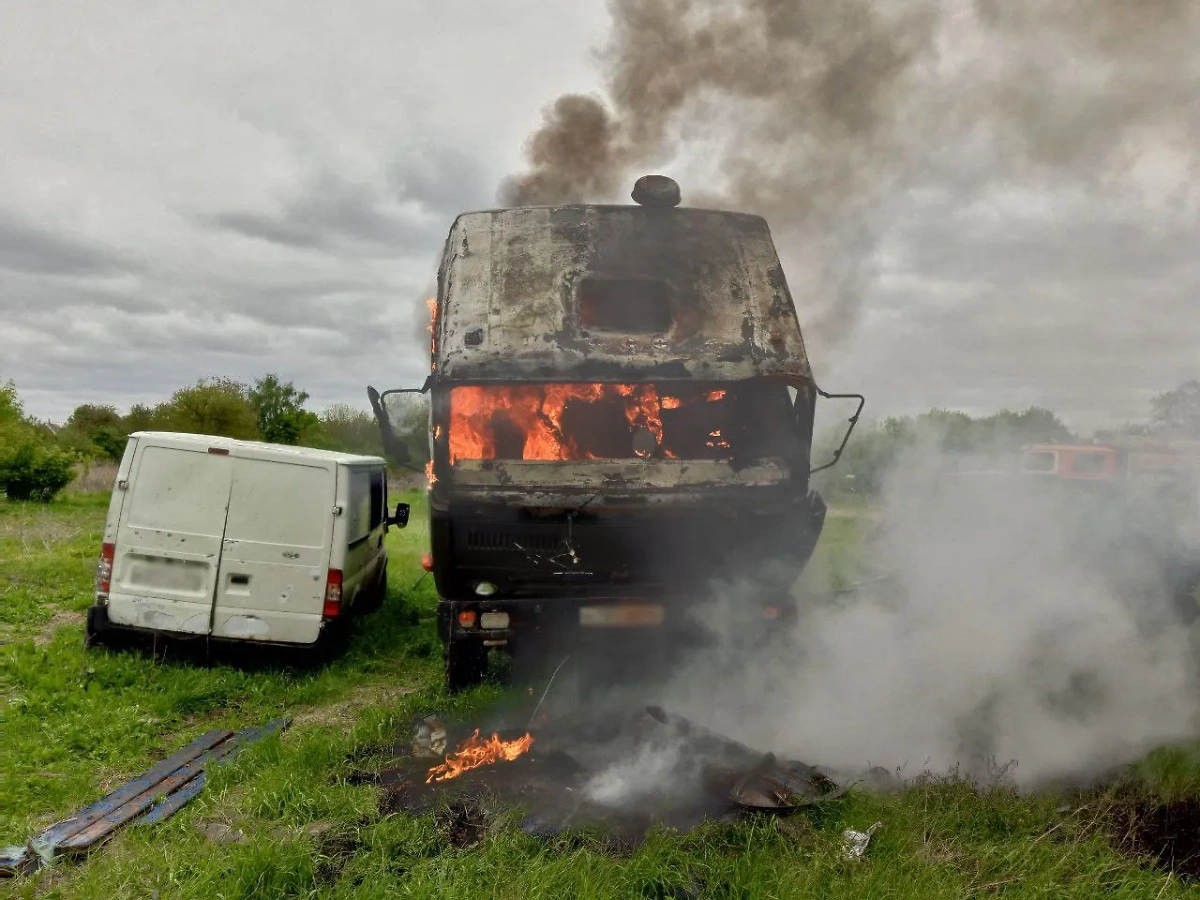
333	593
104	569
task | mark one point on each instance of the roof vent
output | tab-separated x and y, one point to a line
657	191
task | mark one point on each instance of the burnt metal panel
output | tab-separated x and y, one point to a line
56	834
508	304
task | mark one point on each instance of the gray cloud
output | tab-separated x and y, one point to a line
441	178
36	249
1087	308
285	207
334	215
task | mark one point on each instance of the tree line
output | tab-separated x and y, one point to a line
38	459
955	437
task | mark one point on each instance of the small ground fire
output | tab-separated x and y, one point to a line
575	776
475	752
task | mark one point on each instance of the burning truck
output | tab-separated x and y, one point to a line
621	410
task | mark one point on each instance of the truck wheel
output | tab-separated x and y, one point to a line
466	665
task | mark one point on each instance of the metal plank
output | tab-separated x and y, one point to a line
86	837
172	803
45	842
169	786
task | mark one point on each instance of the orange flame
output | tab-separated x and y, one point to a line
536	411
429	473
475	752
431	303
717	440
715	395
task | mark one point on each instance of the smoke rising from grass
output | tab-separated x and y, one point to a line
814	113
1018	623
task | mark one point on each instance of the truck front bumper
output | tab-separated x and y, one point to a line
496	622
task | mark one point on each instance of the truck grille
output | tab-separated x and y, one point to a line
499	539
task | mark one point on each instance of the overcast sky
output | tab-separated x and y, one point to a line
229	189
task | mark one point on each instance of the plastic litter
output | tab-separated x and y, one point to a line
854	843
429	738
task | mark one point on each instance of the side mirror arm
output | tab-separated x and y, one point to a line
393	447
853	421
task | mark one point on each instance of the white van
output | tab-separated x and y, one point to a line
240	540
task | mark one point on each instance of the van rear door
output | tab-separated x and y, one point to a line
168	542
275	556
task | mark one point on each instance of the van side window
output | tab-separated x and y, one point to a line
358	522
376	500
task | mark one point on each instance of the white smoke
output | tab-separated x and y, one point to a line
636	777
995	640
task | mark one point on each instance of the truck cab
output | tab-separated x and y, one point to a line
621	412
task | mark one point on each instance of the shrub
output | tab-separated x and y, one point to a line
31	470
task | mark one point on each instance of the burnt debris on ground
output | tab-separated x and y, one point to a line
624	773
1165	832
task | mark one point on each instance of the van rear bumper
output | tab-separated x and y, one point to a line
157	616
270	626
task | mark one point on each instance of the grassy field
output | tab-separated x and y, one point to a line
75	724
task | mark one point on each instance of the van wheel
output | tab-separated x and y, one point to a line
93	633
466	665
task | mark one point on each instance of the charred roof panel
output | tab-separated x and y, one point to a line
674	293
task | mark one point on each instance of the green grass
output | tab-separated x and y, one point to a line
73	725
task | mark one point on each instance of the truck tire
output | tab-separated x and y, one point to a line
466	665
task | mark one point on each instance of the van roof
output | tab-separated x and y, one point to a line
260	449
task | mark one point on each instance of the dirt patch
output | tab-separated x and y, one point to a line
334	852
1169	833
220	832
343	713
45	633
465	823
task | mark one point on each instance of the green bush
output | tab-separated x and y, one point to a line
30	470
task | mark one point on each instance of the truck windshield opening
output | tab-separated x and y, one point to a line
580	421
